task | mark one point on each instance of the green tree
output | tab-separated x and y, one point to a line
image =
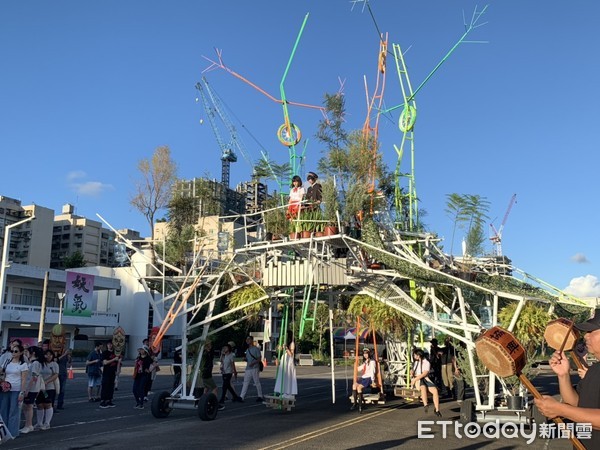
470	212
183	211
270	170
153	189
178	245
74	260
530	326
455	209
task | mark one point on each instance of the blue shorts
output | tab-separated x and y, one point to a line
94	381
365	382
428	383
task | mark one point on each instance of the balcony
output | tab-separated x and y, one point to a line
31	314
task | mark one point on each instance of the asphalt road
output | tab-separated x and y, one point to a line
314	423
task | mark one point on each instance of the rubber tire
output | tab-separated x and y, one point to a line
159	407
467	411
208	406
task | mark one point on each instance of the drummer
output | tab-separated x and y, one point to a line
581	405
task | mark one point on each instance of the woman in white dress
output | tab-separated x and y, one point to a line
295	200
286	383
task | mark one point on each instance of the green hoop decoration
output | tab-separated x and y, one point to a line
285	138
407	118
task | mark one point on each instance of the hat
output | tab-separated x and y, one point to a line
590	325
231	344
366	350
310	175
145	348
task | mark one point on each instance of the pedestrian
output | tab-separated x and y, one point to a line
365	377
64	362
177	361
295	200
16	372
206	368
119	366
154	368
93	368
7	355
448	367
228	371
110	364
420	379
314	193
33	386
46	397
252	371
435	354
141	372
286	383
581	405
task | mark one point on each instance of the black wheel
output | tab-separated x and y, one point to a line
467	411
208	405
160	405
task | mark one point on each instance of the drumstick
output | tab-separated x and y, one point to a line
536	394
562	346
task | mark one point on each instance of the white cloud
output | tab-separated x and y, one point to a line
586	286
91	188
579	258
76	175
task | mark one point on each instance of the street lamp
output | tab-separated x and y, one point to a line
4	262
61	297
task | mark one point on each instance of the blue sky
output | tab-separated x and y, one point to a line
89	88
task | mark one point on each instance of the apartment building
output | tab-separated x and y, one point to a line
72	233
33	240
32	234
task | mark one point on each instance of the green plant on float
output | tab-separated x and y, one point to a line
247	295
331	204
275	220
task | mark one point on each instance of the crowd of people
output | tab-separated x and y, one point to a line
31	377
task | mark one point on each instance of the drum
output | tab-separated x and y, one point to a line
501	352
504	355
560	334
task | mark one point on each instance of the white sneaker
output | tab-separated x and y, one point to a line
26	430
45	426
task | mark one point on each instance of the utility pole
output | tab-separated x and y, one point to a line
43	311
4	262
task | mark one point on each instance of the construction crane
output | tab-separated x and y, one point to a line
497	234
214	108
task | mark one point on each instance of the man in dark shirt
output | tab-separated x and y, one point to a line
206	369
64	361
110	363
582	406
177	361
314	193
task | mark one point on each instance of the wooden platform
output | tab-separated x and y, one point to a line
276	402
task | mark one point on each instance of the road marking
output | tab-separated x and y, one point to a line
314	434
